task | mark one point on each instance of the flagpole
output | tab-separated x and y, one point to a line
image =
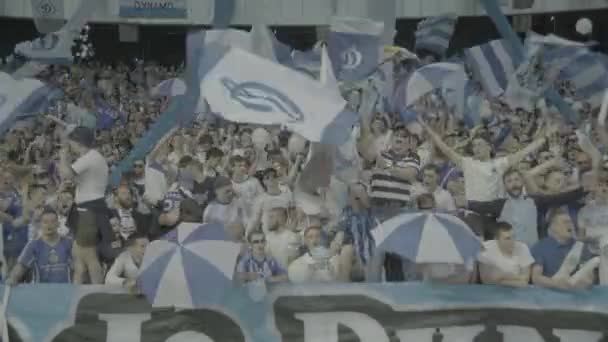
5	298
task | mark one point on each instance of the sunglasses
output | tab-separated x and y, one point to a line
255	242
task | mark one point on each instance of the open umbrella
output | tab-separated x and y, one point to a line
190	267
428	238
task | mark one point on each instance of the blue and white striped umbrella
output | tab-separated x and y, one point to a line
190	267
170	87
428	238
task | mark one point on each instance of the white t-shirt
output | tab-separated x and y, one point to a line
265	202
124	268
224	213
483	179
91	177
520	259
248	191
444	200
280	244
304	270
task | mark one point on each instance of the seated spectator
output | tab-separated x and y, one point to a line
50	256
125	268
316	265
505	261
558	257
256	265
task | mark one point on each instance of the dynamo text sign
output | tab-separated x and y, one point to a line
161	9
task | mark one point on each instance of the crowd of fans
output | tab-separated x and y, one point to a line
533	187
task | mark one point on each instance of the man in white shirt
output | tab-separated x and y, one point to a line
430	179
246	188
315	265
226	208
125	269
282	243
90	217
505	261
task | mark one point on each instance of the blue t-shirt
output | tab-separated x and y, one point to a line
51	264
268	267
550	254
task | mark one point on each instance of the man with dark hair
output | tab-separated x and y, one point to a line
50	256
90	217
521	210
504	260
126	266
257	264
561	262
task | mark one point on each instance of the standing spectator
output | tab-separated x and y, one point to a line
430	179
505	261
226	208
282	242
90	217
316	264
482	173
256	265
274	191
125	269
558	256
246	188
49	256
521	211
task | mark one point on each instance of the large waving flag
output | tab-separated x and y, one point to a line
308	62
589	76
354	47
16	96
492	64
431	77
434	34
246	88
56	47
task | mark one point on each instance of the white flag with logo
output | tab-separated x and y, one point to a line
246	88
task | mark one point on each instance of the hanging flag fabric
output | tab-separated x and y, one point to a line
308	62
246	88
354	47
434	34
169	88
16	96
56	47
431	77
262	42
492	64
48	15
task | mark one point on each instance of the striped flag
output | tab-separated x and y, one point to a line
16	96
589	75
354	47
492	65
434	34
431	77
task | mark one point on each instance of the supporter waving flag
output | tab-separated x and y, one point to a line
434	34
354	47
492	65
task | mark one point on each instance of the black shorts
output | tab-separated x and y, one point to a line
86	220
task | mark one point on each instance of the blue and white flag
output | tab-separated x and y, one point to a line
56	47
169	88
431	77
308	62
434	34
589	75
492	65
16	96
243	87
263	42
107	115
354	47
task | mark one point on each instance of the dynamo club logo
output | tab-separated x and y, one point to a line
263	98
351	58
